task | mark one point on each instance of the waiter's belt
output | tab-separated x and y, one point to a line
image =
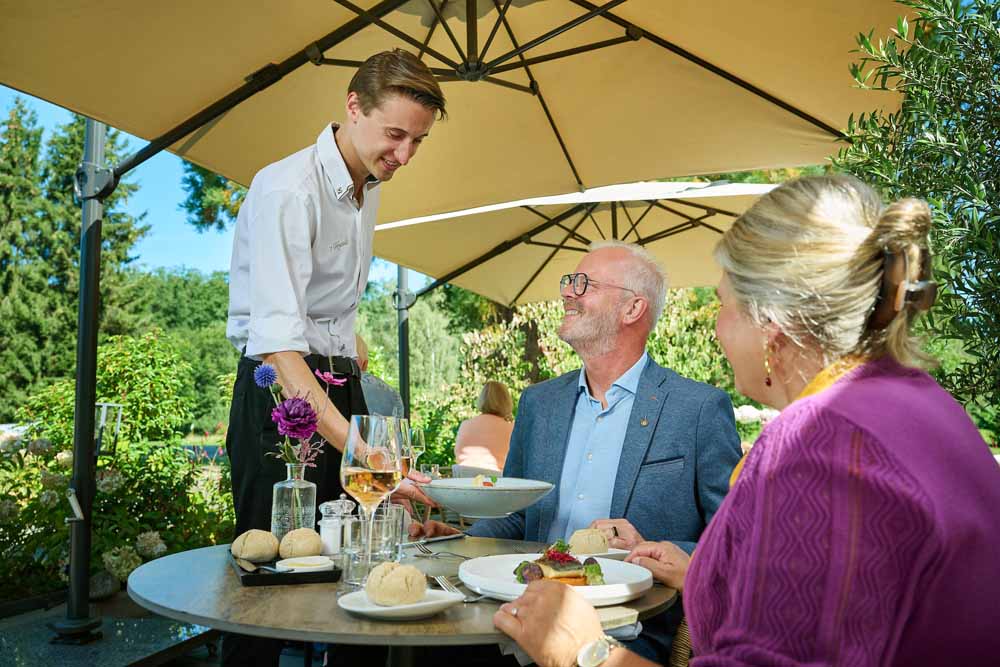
338	365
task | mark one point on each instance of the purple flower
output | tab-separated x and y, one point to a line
264	376
330	378
295	418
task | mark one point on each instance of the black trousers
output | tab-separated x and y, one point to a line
250	440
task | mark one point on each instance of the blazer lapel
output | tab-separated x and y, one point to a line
650	398
562	409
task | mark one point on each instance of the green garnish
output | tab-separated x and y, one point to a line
594	575
561	546
493	478
519	571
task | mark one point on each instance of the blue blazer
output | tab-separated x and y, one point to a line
680	448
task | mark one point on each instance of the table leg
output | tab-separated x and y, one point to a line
400	656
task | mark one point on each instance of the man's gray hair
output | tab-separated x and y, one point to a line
647	276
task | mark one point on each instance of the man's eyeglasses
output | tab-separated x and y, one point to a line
581	281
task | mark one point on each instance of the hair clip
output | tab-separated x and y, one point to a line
897	292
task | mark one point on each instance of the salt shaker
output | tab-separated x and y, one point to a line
336	514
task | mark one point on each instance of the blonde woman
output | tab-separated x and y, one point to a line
483	441
862	528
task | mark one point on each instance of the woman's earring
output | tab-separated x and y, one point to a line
767	368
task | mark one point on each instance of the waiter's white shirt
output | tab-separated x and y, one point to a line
301	255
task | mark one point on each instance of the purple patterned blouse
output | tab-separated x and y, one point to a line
863	530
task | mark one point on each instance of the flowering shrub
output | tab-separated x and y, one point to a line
151	499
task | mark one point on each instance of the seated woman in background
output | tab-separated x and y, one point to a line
862	528
483	441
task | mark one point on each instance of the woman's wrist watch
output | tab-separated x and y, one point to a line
595	653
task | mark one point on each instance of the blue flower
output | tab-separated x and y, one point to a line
265	375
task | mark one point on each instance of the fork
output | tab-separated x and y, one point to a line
452	588
426	551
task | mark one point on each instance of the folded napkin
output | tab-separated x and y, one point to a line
619	622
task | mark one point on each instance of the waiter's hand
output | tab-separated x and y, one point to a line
410	491
431	529
362	350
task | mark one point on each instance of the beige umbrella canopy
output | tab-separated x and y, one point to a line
516	252
629	90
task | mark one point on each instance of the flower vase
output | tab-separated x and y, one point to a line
293	502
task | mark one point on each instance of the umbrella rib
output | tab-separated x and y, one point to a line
563	54
551	255
501	248
555	32
536	212
427	40
545	107
557	246
715	69
508	84
704	207
256	82
629	218
598	228
493	32
635	224
374	20
688	217
447	29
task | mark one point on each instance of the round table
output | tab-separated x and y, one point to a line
199	586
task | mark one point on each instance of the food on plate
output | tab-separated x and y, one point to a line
484	480
588	541
256	546
391	584
300	542
558	564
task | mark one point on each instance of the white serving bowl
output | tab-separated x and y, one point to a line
486	502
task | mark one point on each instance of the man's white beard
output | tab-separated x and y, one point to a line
592	334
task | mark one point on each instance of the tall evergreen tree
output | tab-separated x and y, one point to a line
40	256
22	313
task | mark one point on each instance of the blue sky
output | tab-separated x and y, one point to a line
171	241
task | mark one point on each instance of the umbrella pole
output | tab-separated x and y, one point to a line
94	183
403	303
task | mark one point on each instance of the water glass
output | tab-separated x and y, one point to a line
397	530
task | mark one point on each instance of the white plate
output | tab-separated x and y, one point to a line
304	564
494	576
434	601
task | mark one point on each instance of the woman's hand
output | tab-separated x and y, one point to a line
621	534
362	351
551	622
431	529
667	561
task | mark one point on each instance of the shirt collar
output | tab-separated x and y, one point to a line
629	381
334	165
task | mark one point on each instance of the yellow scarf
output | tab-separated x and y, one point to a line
823	380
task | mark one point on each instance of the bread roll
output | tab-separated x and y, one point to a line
588	541
256	546
301	542
391	584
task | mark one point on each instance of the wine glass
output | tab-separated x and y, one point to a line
403	431
371	467
417	445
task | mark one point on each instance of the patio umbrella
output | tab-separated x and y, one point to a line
545	96
516	252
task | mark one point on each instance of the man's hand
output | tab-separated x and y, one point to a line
551	622
431	529
362	352
667	561
621	534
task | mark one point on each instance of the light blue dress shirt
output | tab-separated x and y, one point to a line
595	445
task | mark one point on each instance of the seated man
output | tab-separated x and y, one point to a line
623	437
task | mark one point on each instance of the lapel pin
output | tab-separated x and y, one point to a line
643	422
653	397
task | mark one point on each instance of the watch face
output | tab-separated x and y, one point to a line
594	653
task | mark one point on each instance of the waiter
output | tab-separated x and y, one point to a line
301	254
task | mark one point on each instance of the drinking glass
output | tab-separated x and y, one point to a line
371	467
408	462
417	445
